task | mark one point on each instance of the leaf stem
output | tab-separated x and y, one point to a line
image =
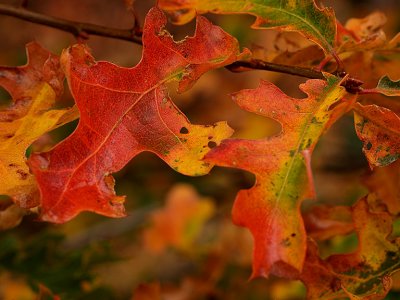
369	92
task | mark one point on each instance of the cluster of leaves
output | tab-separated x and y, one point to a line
125	111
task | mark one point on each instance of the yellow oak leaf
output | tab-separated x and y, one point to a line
34	89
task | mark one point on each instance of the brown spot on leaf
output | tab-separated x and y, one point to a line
184	130
22	174
212	144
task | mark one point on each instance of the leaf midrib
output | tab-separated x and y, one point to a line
297	152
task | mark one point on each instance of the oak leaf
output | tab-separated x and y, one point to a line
125	111
303	16
364	274
270	209
373	59
379	129
34	89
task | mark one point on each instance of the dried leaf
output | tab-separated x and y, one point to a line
125	111
379	129
270	209
303	16
364	274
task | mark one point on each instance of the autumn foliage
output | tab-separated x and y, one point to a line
125	111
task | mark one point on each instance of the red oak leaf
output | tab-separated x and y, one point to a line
270	209
125	111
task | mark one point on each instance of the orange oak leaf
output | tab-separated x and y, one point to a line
125	111
379	129
270	209
180	222
364	274
34	89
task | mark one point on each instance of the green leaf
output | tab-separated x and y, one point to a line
303	16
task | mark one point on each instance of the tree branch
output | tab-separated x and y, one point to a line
257	64
78	29
352	85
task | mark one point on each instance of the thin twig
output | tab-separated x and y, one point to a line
76	28
352	85
257	64
81	30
